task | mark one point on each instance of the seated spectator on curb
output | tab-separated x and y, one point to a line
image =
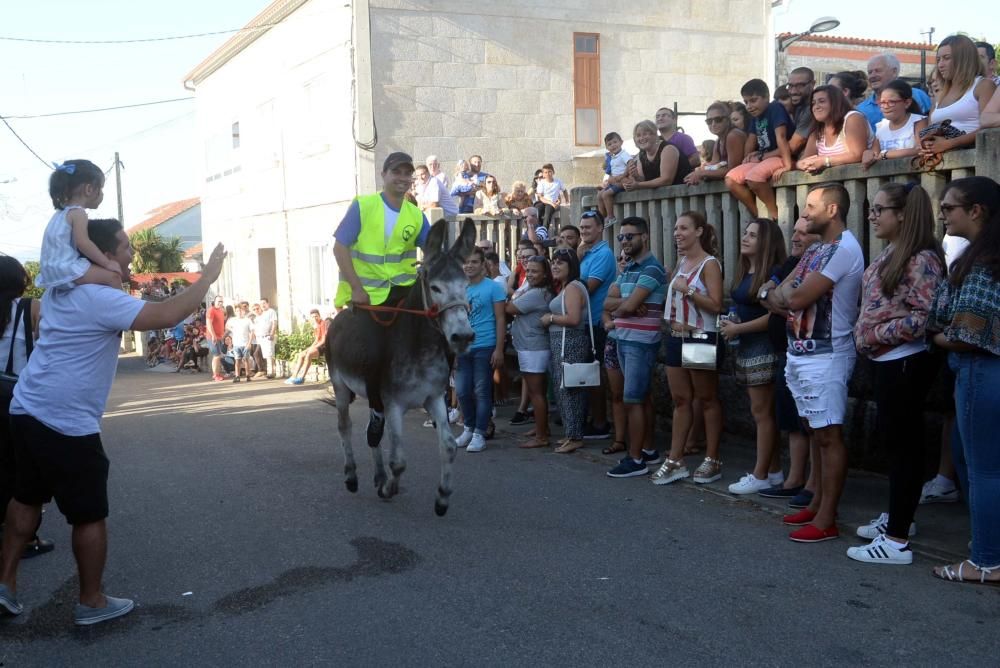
551	194
797	488
852	84
988	57
659	164
800	87
305	357
727	151
635	302
772	127
616	381
569	237
615	165
964	95
762	252
963	322
431	194
896	295
896	135
840	134
740	117
666	125
597	271
531	342
489	200
822	299
694	300
518	199
882	70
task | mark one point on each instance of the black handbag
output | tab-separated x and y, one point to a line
7	377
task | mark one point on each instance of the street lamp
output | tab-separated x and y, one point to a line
822	24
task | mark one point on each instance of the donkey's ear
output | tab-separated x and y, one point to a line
466	240
436	238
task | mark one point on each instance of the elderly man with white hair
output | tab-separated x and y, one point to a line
434	167
882	69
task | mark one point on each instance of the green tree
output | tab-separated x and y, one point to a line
155	254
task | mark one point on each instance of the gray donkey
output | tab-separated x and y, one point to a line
421	339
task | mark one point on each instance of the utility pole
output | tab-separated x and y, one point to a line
930	35
118	186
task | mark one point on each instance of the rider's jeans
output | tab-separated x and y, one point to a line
977	422
474	384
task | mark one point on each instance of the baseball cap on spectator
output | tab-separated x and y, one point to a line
397	159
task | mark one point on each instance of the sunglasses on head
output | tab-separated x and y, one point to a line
589	214
563	252
628	236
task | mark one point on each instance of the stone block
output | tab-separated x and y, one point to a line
564	127
395	48
530	77
555	102
449	27
540	125
404	72
501	54
504	125
395	98
502	77
654	60
475	100
517	101
699	85
453	75
462	124
408	24
434	98
463	50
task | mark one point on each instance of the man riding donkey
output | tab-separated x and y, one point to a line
376	251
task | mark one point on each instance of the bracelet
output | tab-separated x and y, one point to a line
826	161
691	291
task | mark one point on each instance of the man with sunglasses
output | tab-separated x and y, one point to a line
597	271
636	302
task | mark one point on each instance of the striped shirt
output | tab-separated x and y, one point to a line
651	275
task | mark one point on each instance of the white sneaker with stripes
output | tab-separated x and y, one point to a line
877	527
879	551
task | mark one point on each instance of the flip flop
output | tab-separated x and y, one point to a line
534	443
616	447
569	446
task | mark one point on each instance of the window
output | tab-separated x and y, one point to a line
322	284
236	135
587	88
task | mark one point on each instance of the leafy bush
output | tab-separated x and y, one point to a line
291	344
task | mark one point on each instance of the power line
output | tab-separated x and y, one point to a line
167	38
91	111
47	164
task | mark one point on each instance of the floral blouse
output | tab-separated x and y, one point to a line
969	313
886	322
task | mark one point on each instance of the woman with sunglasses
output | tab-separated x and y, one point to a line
489	200
694	301
531	342
728	149
569	342
897	135
896	294
963	320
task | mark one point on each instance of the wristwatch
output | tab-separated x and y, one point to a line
762	295
884	154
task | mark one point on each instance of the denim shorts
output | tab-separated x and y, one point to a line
240	353
819	385
637	362
615	188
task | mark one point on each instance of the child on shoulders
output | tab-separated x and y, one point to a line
69	257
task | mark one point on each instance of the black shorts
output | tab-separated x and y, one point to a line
71	469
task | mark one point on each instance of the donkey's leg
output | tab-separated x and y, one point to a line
446	445
397	462
344	427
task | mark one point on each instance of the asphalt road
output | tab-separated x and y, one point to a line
232	529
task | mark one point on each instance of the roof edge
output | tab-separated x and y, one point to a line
276	12
863	41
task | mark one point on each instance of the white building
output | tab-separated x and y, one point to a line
297	112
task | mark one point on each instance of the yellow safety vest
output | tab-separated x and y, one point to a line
380	264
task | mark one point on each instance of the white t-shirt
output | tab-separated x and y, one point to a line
619	162
66	383
550	191
890	140
240	328
262	323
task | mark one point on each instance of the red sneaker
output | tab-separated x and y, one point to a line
810	533
218	379
804	516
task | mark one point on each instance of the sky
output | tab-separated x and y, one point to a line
162	160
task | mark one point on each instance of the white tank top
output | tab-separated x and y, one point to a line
963	112
840	145
682	308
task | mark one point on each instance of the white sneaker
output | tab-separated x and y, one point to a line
428	422
477	444
748	484
878	526
453	415
879	551
464	439
933	492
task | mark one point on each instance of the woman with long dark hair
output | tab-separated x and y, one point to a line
896	294
762	252
964	320
840	135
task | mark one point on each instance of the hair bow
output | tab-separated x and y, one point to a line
69	169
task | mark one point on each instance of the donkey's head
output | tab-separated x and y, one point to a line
446	281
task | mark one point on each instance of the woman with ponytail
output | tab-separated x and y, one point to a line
897	291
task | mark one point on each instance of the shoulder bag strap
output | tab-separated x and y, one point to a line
590	321
562	353
13	331
29	334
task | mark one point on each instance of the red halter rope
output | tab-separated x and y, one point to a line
433	312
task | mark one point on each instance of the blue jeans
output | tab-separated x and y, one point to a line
977	422
474	384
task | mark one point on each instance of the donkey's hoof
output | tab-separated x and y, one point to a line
352	485
440	508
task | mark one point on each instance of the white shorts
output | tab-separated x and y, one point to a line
266	348
533	361
819	385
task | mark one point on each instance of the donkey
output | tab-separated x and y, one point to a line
423	338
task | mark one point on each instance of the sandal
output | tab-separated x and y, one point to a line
617	446
949	574
534	443
568	446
